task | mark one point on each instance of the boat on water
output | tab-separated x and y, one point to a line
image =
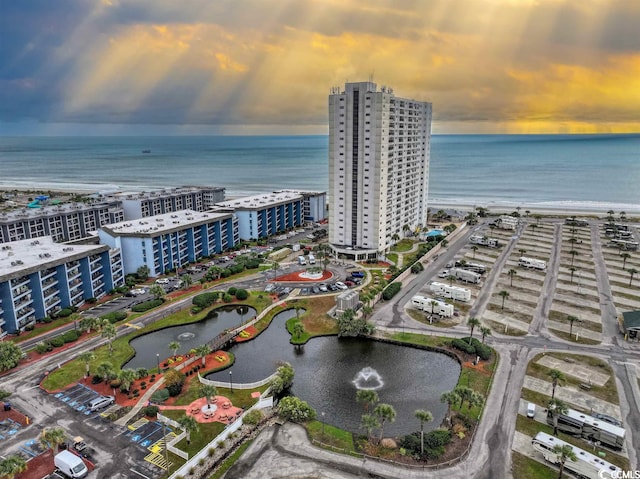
146	151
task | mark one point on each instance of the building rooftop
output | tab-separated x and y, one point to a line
164	223
19	258
164	193
53	210
260	201
302	192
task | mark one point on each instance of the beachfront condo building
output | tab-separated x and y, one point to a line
379	148
169	200
39	277
264	215
63	222
166	242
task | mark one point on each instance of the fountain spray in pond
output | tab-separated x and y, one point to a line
185	336
368	378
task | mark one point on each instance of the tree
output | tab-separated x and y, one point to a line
274	266
283	379
298	330
571	319
522	252
564	452
485	331
369	422
385	413
157	291
187	281
368	397
464	393
208	391
202	351
173	381
52	437
472	323
105	371
109	333
395	237
451	398
632	272
88	323
423	416
474	248
143	273
294	409
405	228
214	273
625	257
350	326
556	378
573	254
537	218
623	215
10	355
189	424
557	407
573	269
504	295
12	465
86	358
127	377
451	278
298	308
174	346
366	310
512	273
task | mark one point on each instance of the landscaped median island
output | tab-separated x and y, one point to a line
579	395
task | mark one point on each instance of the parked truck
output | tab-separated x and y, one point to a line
301	260
433	306
484	241
70	465
312	259
532	263
465	275
452	292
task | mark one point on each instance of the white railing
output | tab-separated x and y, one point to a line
171	444
220	438
224	384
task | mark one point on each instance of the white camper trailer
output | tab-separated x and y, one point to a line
465	275
452	292
532	263
433	306
484	241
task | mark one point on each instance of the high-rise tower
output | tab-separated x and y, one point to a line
378	168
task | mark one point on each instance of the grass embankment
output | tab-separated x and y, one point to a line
331	435
608	392
314	319
230	461
523	466
43	328
567	337
423	318
402	246
122	351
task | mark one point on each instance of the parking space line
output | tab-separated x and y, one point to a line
134	326
139	473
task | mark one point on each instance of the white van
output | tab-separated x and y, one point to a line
531	410
70	465
101	402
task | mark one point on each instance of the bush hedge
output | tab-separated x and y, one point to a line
71	336
473	347
147	305
205	300
391	290
114	316
63	313
160	396
241	294
232	290
57	342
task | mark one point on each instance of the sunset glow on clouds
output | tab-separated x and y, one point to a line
266	66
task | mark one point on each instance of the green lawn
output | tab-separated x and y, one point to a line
402	246
336	437
45	328
527	468
393	258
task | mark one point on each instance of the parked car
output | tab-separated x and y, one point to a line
315	290
443	274
323	288
137	291
348	284
341	285
269	288
162	281
332	287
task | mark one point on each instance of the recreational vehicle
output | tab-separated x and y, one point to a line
588	427
433	306
586	465
532	263
452	292
624	244
475	267
484	241
465	275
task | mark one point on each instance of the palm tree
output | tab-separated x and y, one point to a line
86	358
564	452
451	279
504	295
368	397
384	413
105	371
464	393
522	252
202	352
298	308
187	281
109	333
557	407
127	377
88	323
511	273
475	399
11	466
405	228
472	323
208	391
214	272
275	266
537	218
366	310
157	291
623	215
625	257
485	331
573	254
174	346
298	330
423	416
52	437
189	424
632	272
474	248
369	423
556	378
573	269
451	398
571	319
395	237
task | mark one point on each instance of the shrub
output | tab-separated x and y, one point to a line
416	268
47	320
63	313
411	443
241	294
204	300
211	451
227	298
150	410
201	461
463	345
96	379
160	396
29	327
391	290
70	336
42	348
147	305
57	342
232	290
114	316
115	383
195	309
92	300
483	351
253	417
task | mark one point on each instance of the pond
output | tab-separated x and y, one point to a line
188	335
329	371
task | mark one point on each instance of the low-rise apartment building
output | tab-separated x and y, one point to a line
314	204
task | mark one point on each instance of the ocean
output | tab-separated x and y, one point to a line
590	172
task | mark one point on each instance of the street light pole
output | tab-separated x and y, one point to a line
322	424
158	361
231	380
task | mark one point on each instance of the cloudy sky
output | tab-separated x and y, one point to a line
266	66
